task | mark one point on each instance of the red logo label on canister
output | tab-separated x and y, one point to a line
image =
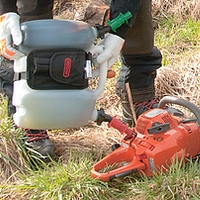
67	67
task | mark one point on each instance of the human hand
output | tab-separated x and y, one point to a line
106	50
10	35
111	45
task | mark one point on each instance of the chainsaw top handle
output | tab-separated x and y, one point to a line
181	102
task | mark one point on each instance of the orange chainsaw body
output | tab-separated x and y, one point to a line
159	139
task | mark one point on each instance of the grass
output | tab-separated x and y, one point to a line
180	182
176	37
69	178
73	181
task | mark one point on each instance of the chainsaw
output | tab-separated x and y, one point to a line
161	136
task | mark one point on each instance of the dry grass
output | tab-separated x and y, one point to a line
11	161
182	79
162	8
179	8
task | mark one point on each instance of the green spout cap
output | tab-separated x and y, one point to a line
119	20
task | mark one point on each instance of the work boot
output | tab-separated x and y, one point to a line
37	142
139	108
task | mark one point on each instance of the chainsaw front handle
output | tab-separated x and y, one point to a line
119	163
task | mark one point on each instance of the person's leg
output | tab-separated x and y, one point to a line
6	76
139	61
36	140
140	74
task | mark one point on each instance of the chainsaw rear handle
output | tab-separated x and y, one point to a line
181	102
